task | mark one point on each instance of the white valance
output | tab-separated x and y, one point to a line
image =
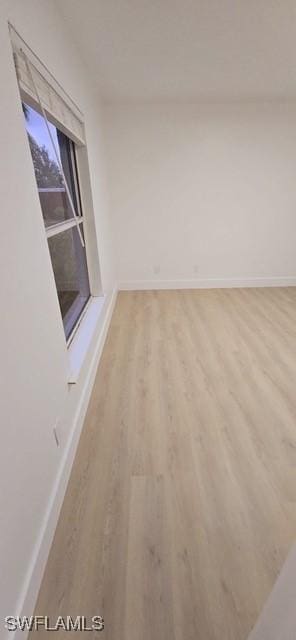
58	106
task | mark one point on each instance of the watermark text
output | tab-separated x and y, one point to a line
62	623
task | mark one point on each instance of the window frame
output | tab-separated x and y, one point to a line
78	343
79	167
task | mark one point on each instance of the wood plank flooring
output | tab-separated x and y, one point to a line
181	506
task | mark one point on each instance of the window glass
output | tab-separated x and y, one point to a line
54	201
68	256
70	271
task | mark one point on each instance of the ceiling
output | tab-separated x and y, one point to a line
187	50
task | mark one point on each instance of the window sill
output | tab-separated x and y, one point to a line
80	344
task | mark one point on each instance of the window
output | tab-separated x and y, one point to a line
67	253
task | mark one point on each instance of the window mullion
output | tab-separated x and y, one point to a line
62	226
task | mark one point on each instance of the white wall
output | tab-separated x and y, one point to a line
34	362
203	195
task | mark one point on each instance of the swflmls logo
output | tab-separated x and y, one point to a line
67	623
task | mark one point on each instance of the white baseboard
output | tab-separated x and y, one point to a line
30	590
208	283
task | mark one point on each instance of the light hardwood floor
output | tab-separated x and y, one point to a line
181	506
